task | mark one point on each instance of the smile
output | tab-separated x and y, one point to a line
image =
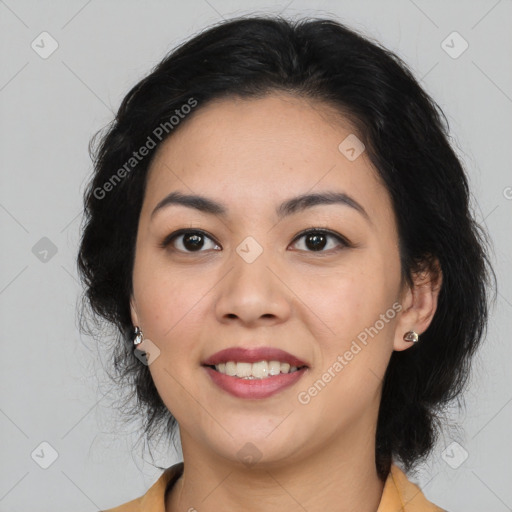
258	370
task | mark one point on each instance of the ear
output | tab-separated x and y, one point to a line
419	303
133	311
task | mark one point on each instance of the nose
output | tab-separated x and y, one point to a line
253	294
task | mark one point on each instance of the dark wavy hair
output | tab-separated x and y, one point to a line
407	139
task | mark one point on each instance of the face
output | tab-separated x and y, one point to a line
320	281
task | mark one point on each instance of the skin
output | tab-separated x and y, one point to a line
251	155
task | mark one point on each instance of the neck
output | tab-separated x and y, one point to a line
340	476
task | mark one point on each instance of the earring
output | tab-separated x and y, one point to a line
411	336
139	336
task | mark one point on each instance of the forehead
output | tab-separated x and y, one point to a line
250	152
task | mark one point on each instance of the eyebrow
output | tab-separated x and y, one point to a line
285	209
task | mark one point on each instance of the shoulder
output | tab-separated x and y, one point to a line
402	494
154	499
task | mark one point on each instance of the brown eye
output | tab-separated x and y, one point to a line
316	240
188	241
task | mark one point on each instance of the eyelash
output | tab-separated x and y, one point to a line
318	231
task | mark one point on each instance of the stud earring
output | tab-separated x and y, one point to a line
411	336
139	336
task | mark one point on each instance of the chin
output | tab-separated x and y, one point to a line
259	443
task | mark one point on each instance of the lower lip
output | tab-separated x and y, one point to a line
254	388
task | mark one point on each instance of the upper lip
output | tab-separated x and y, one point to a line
253	355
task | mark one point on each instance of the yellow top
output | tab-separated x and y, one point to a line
399	494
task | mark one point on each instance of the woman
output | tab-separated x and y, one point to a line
279	230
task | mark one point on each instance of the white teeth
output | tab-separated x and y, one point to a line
230	368
259	370
274	367
243	369
285	367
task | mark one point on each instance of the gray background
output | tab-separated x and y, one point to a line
51	377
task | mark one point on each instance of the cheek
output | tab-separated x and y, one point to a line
169	301
348	300
351	314
354	353
172	310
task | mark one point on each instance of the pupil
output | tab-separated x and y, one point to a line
318	241
193	242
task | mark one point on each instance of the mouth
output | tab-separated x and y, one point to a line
256	363
254	373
